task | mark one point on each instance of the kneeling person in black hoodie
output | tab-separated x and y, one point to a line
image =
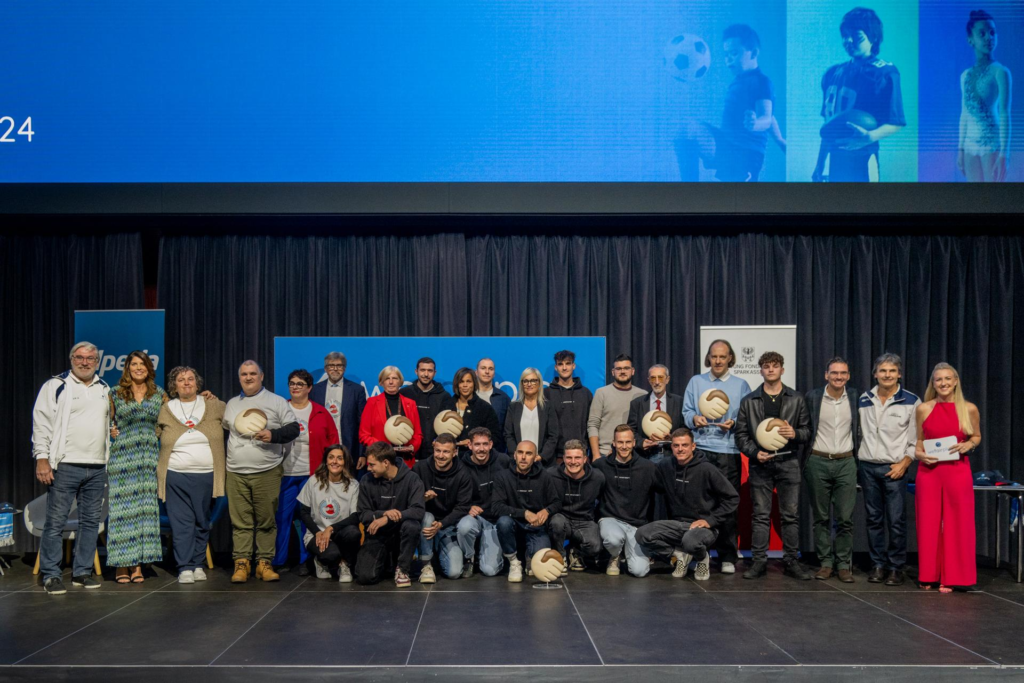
629	482
524	501
699	499
448	491
391	508
578	486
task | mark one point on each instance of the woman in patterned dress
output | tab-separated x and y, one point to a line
133	529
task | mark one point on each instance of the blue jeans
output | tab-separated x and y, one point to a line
886	510
509	531
86	483
446	542
470	530
617	535
287	507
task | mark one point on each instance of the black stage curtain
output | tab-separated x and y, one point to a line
928	299
42	281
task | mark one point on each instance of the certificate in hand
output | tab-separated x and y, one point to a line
939	448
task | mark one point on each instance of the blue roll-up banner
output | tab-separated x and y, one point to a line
367	356
118	333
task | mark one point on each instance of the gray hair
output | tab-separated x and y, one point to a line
251	362
890	358
82	345
336	355
660	366
172	379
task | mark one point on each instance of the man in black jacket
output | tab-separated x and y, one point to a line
699	499
430	398
391	508
525	500
629	483
831	468
570	399
578	486
769	470
486	467
657	399
448	492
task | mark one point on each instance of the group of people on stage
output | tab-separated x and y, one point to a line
559	468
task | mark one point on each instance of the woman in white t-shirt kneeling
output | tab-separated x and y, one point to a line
327	506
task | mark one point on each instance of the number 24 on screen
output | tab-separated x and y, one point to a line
7	124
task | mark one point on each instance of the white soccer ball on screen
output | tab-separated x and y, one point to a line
687	58
713	404
399	430
656	424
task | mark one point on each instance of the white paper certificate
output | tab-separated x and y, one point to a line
939	448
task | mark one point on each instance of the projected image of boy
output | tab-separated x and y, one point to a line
736	149
984	151
862	103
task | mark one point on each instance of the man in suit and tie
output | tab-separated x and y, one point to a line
657	399
345	401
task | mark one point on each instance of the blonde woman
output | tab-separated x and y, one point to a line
385	405
945	488
530	419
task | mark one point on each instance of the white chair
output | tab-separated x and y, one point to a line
35	519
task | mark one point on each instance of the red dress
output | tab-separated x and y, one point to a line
945	509
371	427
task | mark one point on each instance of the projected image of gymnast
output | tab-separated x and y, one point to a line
736	149
862	104
983	154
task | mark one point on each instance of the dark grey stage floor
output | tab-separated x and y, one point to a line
598	628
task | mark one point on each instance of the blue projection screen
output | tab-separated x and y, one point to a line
505	91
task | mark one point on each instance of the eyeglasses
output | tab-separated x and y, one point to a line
85	359
334	366
530	381
298	385
657	378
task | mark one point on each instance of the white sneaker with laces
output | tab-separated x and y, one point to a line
467	570
682	564
322	572
199	574
728	568
427	574
575	562
344	574
703	570
186	576
613	567
515	570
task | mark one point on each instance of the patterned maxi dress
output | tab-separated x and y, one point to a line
133	531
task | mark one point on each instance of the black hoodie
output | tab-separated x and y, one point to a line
572	406
478	413
628	487
533	491
404	492
454	488
697	490
579	496
486	480
430	404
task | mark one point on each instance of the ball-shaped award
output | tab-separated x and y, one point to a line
713	404
399	430
768	436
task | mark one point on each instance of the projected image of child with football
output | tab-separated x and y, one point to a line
862	104
736	148
984	150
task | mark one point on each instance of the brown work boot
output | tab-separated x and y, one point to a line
846	576
241	574
824	574
265	571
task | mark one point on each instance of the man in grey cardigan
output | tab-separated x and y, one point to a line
611	406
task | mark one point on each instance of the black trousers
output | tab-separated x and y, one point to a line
375	557
344	545
583	534
730	465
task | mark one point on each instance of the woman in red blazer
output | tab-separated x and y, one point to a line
382	406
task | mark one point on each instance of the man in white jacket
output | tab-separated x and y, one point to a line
889	437
71	445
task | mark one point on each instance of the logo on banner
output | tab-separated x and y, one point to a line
748	354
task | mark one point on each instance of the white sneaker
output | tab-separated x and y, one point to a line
613	567
682	564
575	562
703	570
186	576
565	566
199	574
344	575
467	570
728	568
427	574
515	570
322	572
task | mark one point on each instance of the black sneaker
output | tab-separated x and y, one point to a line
86	582
758	568
796	571
54	586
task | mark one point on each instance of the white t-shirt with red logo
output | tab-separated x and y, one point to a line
328	506
191	453
296	461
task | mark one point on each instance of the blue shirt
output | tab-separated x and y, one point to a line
746	90
712	438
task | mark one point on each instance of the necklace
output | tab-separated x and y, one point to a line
187	419
773	396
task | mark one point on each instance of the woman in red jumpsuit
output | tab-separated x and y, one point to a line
384	405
